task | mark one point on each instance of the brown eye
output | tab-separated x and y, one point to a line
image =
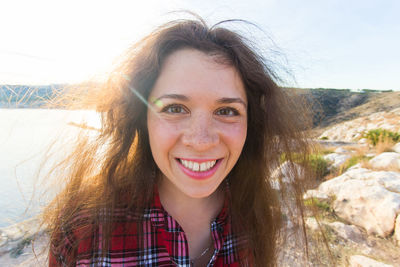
174	109
228	112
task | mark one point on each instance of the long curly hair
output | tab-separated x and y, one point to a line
102	171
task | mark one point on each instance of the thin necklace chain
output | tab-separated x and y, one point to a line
192	261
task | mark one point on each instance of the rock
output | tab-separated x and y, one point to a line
354	129
397	230
363	141
312	223
386	160
341	150
362	261
285	173
357	166
348	232
366	198
12	236
337	159
396	148
31	255
315	194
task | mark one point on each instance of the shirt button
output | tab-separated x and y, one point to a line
220	229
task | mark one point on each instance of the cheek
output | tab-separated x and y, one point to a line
235	137
162	136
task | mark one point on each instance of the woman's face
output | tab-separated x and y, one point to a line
197	122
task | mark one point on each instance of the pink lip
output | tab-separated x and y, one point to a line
199	175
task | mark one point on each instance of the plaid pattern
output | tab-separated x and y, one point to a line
162	242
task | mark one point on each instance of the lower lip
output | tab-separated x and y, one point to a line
200	175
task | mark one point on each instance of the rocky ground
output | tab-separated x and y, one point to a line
353	130
359	206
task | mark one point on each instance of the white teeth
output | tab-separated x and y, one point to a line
203	166
195	166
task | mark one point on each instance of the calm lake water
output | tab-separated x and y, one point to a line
25	138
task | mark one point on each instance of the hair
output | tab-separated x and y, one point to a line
102	171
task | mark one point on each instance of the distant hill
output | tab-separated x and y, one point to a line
331	106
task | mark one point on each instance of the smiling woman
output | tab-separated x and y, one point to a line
180	175
203	121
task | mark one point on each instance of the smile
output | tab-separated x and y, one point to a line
198	166
199	169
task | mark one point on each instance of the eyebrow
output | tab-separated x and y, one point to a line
228	100
224	100
172	96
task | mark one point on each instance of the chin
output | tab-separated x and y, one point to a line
201	193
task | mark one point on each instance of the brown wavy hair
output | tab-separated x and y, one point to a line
118	162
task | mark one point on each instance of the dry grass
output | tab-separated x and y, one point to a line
384	145
368	165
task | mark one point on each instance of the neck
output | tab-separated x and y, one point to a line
194	215
182	207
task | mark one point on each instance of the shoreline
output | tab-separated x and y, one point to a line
24	244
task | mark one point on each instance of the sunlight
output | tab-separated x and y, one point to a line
69	41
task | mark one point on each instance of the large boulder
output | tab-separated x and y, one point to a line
369	199
387	160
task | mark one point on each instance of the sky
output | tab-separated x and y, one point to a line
347	44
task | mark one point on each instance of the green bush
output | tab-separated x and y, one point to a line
319	165
314	202
376	135
353	161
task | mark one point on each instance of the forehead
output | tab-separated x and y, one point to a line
193	72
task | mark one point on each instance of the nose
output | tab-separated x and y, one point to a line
200	134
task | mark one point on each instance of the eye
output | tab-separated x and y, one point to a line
227	111
174	109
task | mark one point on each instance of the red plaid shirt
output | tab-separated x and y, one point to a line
162	242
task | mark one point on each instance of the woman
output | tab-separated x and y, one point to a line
193	124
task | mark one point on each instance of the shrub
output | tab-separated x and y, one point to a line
319	165
381	135
314	202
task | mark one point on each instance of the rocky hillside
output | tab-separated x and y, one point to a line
332	106
361	196
354	130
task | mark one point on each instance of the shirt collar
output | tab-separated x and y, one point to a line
159	217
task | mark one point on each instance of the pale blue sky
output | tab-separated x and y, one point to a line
324	43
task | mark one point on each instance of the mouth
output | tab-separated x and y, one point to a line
199	169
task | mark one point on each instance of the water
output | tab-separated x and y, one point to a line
25	137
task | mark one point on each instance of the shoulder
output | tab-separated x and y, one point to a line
84	238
